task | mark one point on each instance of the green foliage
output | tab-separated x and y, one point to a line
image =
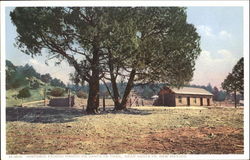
12	80
143	44
34	82
17	76
81	94
215	94
35	85
235	80
159	46
46	78
57	92
57	83
10	69
168	46
20	76
24	93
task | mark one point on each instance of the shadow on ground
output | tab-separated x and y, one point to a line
132	111
56	114
42	114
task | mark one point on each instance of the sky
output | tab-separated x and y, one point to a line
220	29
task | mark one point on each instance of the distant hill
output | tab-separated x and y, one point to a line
19	77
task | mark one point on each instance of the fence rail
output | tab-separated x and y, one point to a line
34	102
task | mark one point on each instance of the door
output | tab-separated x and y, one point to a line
208	101
201	100
188	101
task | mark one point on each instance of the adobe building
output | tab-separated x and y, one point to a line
186	96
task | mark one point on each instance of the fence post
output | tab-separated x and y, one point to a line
45	96
69	98
103	102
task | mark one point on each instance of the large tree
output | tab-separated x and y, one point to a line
146	44
71	34
161	47
234	82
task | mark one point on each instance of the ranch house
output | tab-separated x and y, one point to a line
186	96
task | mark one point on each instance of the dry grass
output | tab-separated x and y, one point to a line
79	102
139	130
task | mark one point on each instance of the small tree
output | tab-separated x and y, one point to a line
235	81
81	94
57	92
57	83
46	78
216	94
24	93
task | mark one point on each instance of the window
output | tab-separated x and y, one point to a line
194	99
180	99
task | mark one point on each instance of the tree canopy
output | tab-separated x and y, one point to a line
163	47
141	44
234	82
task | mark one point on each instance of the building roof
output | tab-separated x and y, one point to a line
155	96
191	90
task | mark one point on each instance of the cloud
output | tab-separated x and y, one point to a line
225	54
206	30
61	71
213	69
225	34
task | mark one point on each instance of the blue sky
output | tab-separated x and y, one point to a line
221	31
220	28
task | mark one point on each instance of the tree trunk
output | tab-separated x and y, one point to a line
235	100
103	102
120	105
93	99
115	90
116	95
128	88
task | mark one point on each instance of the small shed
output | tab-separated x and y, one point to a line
62	102
185	96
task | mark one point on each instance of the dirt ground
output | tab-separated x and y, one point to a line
140	130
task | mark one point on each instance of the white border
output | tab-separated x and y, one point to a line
3	86
244	4
246	77
156	3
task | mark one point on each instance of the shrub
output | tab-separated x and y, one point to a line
24	93
81	94
34	85
57	92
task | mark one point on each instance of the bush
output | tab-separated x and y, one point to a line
81	94
57	92
34	85
24	93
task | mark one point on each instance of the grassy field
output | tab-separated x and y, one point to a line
11	100
140	130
